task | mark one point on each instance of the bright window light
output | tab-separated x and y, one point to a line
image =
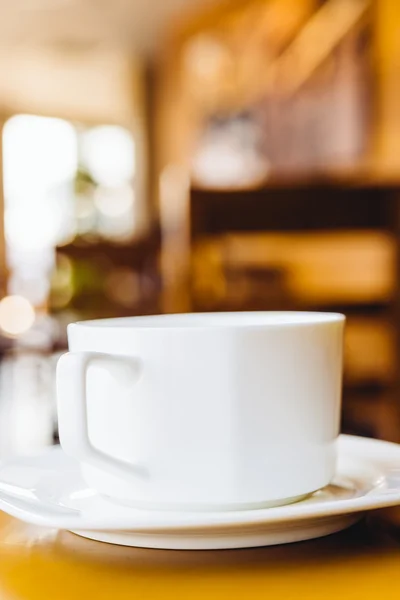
39	153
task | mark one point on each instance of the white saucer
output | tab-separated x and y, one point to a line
48	490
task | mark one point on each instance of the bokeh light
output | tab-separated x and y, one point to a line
62	282
108	152
114	202
16	315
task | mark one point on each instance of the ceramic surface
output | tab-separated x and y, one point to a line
48	490
200	412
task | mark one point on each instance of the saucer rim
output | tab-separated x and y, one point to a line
214	539
364	449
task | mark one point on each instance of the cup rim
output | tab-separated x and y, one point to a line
214	321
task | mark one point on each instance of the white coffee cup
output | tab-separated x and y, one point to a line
203	411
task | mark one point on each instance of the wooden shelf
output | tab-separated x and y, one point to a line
284	209
359	309
363	177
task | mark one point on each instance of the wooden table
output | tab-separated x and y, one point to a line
361	563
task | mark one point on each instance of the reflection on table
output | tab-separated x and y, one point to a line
362	562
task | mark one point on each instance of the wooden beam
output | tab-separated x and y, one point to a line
387	70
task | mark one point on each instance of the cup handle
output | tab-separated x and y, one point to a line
72	408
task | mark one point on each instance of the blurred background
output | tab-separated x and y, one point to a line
227	155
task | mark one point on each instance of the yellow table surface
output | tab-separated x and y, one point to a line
362	562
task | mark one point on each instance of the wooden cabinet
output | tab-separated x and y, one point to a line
320	246
309	90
